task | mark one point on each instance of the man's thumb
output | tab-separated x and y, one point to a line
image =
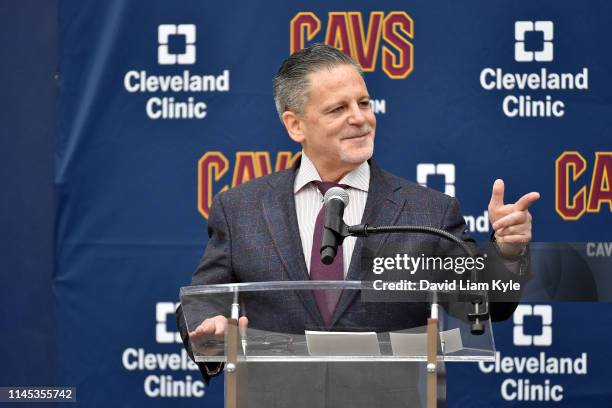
497	195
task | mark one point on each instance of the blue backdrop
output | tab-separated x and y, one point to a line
161	105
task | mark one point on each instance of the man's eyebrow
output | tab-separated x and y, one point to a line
340	101
336	102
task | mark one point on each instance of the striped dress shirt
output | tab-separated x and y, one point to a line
309	200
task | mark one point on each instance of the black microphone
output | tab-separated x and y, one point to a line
336	199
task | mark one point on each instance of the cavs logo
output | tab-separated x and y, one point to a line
572	198
347	32
213	166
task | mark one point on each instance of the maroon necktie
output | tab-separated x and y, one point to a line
326	299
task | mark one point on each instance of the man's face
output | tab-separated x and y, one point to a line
337	125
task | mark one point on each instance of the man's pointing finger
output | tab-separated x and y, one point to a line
525	201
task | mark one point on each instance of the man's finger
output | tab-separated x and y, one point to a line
525	201
514	218
220	328
201	329
198	330
497	195
214	325
220	322
515	239
512	230
243	322
208	326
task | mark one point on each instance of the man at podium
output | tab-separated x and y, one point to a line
269	229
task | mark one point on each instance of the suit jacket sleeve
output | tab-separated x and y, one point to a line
214	268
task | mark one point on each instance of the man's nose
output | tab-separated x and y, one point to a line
356	115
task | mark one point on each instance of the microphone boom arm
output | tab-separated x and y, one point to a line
363	230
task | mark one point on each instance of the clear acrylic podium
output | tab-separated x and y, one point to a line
377	350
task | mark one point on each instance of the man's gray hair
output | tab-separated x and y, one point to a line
291	82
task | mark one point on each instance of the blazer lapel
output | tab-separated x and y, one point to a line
382	208
281	219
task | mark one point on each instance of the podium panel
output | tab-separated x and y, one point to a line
371	352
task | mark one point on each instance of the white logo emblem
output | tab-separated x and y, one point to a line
446	170
162	311
522	27
545	337
164	31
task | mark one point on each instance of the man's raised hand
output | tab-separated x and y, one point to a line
511	222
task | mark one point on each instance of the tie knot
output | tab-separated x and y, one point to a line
323	186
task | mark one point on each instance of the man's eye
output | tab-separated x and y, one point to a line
337	109
364	104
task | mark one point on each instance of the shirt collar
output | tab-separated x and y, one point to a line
358	178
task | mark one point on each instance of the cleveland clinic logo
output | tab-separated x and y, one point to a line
175	91
545	28
536	94
168	374
186	34
536	375
520	338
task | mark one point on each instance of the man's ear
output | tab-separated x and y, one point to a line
294	126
